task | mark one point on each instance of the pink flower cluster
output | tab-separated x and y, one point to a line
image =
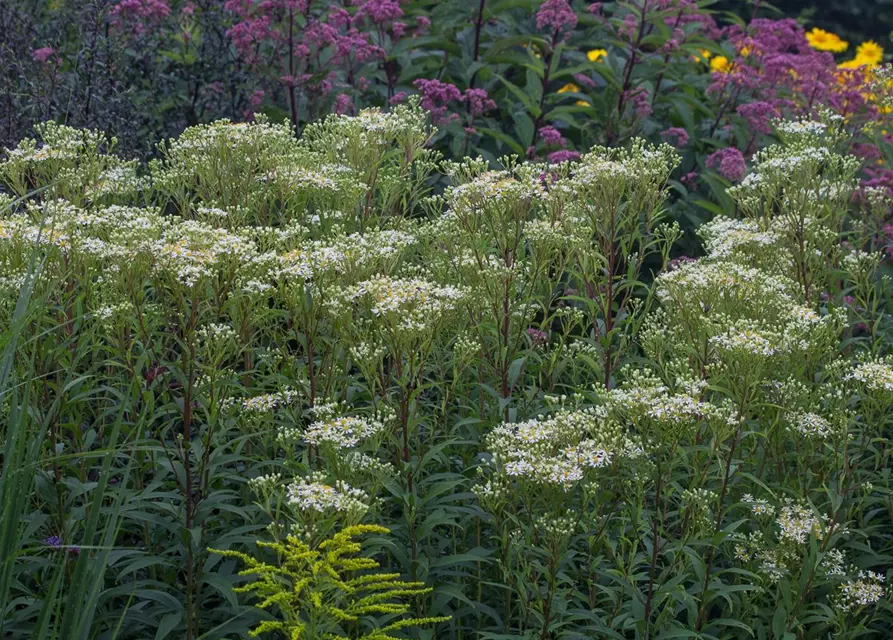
378	11
138	15
437	96
551	137
564	155
729	162
677	136
43	54
556	15
318	46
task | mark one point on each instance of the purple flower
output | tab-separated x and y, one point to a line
379	11
436	96
53	541
537	336
478	101
556	15
359	44
397	98
689	178
565	155
343	104
759	115
729	162
675	263
135	14
257	99
551	136
676	136
866	150
338	18
422	23
630	26
43	54
641	101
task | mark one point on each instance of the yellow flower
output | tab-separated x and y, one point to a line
870	53
855	63
569	88
745	51
581	103
595	55
822	40
703	56
721	64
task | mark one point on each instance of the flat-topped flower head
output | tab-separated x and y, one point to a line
342	432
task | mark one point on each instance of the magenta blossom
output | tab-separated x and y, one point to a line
378	11
641	101
538	337
557	157
759	115
478	101
729	162
556	15
689	179
343	104
135	14
551	136
676	136
675	263
436	96
43	54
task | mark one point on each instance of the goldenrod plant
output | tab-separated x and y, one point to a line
329	592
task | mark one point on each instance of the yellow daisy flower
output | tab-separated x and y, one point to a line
721	64
870	52
595	55
822	40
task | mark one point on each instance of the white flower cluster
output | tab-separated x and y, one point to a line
747	341
559	450
411	305
758	506
797	523
343	432
729	238
269	402
865	590
811	425
875	376
311	494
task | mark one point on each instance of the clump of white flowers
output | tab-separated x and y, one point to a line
315	495
865	590
797	523
269	402
874	375
560	450
342	432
